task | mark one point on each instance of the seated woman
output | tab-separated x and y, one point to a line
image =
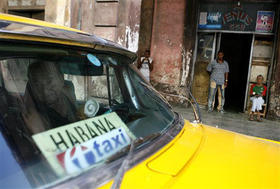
257	92
49	102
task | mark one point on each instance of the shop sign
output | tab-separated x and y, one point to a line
237	19
210	20
265	20
253	17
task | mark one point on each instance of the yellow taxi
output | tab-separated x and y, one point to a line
76	113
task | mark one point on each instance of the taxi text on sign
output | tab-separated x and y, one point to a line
58	140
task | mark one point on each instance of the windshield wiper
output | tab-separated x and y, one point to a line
125	164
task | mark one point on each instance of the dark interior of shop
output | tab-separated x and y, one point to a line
236	48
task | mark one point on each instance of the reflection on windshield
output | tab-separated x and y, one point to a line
66	112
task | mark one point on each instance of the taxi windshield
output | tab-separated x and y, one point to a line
64	111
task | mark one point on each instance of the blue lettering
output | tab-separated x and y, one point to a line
96	147
123	137
117	141
108	146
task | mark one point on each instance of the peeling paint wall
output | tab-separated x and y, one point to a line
131	38
186	56
127	33
173	43
3	6
58	12
167	43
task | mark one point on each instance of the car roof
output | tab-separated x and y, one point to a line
20	28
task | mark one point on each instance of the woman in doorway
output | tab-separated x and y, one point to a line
257	92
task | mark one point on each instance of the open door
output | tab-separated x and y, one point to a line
237	49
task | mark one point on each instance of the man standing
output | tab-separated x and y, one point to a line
146	65
219	79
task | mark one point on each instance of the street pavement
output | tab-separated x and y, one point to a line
237	122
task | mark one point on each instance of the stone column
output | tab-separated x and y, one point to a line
167	44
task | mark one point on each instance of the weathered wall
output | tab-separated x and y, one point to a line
6	5
26	8
114	20
146	25
191	17
58	12
172	43
127	33
167	44
25	3
3	6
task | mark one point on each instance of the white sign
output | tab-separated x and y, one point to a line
58	140
93	151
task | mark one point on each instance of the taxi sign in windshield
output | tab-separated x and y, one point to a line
107	133
95	150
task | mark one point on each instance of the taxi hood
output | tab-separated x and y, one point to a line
207	157
218	157
183	148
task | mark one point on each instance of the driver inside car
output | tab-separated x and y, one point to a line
49	100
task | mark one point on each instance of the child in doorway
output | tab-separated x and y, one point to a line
257	92
146	65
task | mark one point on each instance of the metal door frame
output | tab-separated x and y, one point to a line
214	45
249	73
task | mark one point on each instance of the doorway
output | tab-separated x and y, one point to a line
236	48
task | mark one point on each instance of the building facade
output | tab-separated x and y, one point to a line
183	37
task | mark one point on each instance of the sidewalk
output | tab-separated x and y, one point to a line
237	122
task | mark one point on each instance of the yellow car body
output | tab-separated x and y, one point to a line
199	156
206	157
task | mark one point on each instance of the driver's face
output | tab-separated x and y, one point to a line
48	86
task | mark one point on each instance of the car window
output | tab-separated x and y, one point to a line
65	111
15	70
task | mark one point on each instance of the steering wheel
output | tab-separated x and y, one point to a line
91	107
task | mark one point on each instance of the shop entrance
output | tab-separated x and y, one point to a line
237	48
